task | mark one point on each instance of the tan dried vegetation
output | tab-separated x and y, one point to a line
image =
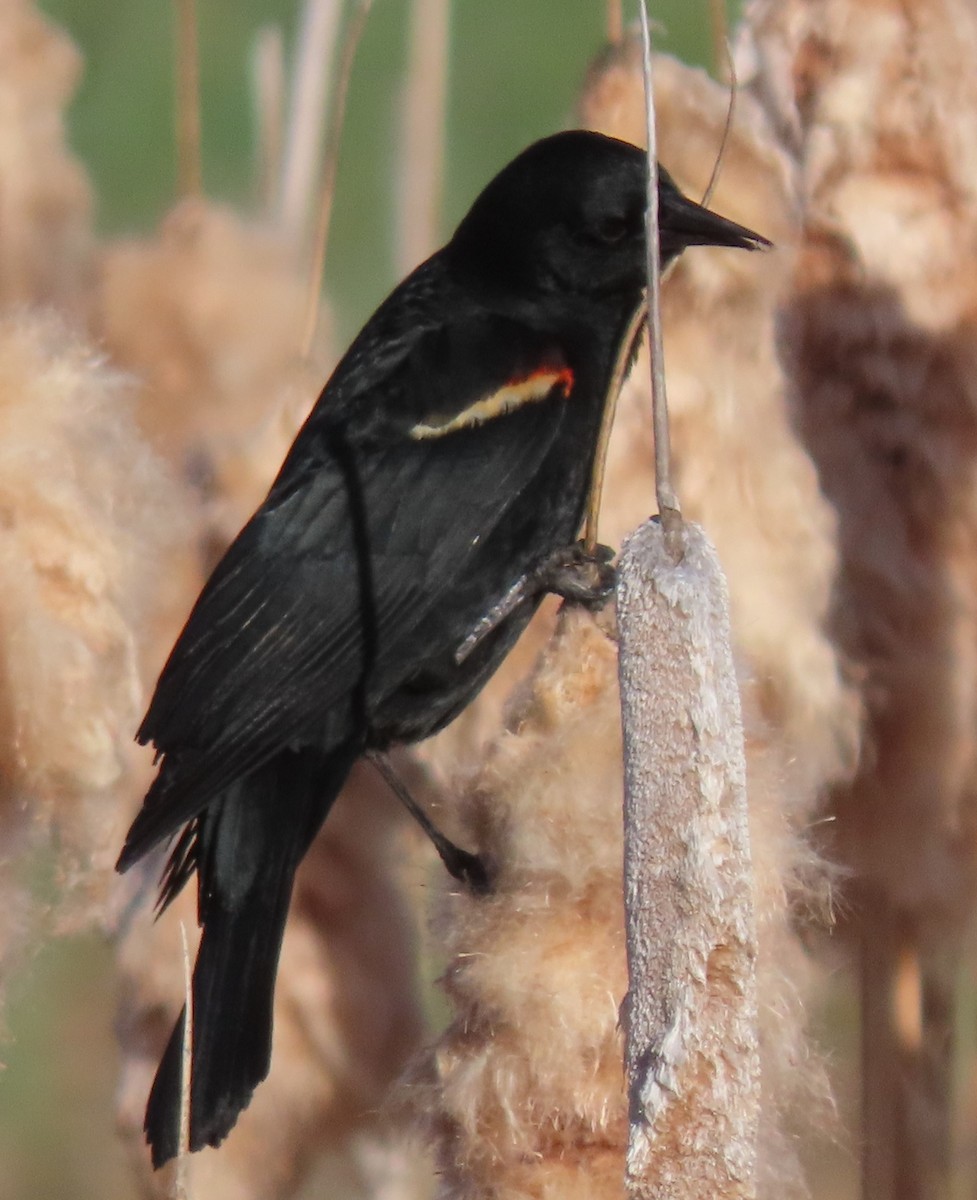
823	435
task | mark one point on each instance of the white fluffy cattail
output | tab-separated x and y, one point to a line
693	1067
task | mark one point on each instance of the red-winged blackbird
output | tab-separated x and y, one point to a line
448	456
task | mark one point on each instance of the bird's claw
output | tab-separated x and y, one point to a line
578	575
467	868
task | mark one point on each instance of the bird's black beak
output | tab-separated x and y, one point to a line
685	223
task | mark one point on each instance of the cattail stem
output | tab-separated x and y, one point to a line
668	505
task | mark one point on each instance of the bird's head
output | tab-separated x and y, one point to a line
568	215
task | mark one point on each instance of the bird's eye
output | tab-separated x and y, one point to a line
612	230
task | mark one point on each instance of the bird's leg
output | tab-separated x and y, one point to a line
570	572
521	590
460	864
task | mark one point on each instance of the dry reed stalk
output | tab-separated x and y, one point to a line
206	312
268	93
188	125
422	134
614	21
669	511
719	33
181	1188
619	373
875	102
330	164
315	50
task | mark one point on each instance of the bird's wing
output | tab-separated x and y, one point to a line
367	529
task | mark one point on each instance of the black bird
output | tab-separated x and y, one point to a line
447	458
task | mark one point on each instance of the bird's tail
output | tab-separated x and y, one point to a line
245	849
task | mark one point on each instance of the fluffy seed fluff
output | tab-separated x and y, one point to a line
523	1095
207	314
877	103
46	239
87	516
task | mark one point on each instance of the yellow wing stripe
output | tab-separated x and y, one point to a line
507	399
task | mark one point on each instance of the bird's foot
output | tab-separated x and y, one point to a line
469	869
460	864
578	575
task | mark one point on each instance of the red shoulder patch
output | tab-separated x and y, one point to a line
538	384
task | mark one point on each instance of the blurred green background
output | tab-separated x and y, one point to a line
515	71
